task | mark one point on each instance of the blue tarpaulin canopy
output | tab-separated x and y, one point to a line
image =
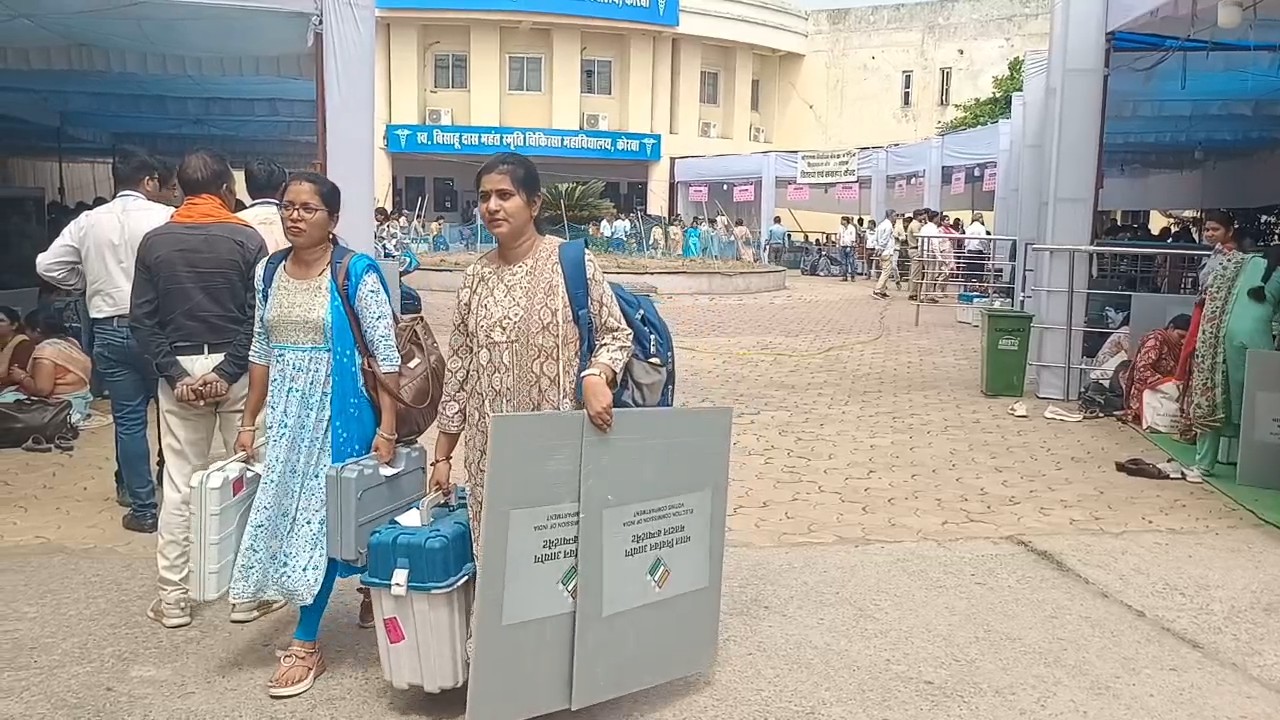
79	77
1163	107
1182	91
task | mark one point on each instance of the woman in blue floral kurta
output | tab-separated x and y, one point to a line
305	369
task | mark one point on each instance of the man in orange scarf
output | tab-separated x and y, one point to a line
192	313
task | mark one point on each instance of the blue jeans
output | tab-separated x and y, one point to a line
847	261
131	380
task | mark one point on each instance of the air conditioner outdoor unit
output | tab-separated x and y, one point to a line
757	134
595	121
439	116
708	129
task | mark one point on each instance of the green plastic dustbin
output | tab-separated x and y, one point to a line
1006	338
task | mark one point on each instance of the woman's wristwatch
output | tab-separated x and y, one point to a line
596	372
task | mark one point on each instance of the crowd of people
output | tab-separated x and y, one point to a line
193	310
939	251
181	316
1204	353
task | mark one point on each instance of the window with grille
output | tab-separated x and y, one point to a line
755	94
524	73
944	86
597	76
709	87
450	71
908	88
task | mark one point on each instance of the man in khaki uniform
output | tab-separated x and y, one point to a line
913	254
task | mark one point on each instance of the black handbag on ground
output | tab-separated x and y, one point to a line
24	419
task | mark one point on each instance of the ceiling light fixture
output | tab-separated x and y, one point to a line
1230	14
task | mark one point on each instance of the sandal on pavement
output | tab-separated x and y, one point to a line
64	443
366	619
37	444
1018	409
1137	467
1056	413
295	656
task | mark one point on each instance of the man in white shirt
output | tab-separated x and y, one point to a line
886	250
977	249
930	239
265	179
606	227
848	246
97	252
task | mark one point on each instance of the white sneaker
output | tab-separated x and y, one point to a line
1018	409
247	612
1195	476
1056	413
170	614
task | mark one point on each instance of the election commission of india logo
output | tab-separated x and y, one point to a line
659	573
569	582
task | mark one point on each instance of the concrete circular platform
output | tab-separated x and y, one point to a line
663	281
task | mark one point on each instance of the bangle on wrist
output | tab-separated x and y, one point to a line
247	428
441	461
385	435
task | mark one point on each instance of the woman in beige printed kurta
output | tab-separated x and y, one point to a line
514	346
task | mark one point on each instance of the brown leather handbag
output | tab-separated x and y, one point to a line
421	367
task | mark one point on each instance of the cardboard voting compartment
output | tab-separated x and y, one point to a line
1259	454
654	494
522	663
645	507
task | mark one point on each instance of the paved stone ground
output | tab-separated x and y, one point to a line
853	428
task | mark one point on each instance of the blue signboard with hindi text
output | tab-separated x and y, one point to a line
534	142
647	12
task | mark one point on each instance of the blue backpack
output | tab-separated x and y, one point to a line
649	377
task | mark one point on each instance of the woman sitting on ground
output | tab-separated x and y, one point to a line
15	347
1155	360
58	368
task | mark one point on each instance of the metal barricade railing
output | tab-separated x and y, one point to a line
984	274
1112	271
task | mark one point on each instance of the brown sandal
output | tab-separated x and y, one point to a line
295	656
366	619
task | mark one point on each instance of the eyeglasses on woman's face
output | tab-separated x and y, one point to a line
305	211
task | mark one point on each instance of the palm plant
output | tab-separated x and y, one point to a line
578	203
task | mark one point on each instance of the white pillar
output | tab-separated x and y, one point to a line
406	66
486	75
933	176
349	43
662	66
657	189
640	85
739	104
879	176
689	68
1077	71
383	172
1003	186
566	78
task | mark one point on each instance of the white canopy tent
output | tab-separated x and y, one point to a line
923	167
81	77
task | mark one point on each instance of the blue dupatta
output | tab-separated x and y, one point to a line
353	419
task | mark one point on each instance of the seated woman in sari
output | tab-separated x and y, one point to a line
15	347
58	368
1155	360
